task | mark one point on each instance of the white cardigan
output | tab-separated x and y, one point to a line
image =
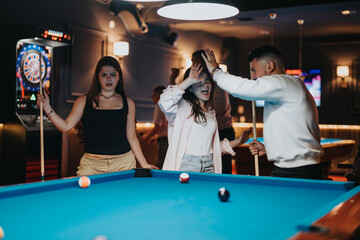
177	112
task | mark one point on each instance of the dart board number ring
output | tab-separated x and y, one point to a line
27	66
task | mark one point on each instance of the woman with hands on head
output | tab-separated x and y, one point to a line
108	118
194	143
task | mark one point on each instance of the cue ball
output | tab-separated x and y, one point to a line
84	182
223	194
2	234
100	237
184	178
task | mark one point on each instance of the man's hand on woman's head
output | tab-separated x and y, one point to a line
210	60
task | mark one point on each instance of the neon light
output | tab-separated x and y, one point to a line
55	33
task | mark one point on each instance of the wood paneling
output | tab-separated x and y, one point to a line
355	87
88	47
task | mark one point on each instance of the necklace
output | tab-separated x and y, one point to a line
108	96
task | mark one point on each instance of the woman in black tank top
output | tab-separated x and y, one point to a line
108	119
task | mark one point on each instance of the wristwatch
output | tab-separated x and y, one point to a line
215	70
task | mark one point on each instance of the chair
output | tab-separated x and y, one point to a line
354	174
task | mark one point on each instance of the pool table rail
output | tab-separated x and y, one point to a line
53	185
329	226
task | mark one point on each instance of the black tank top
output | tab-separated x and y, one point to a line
105	130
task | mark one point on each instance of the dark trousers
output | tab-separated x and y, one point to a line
229	134
162	148
308	172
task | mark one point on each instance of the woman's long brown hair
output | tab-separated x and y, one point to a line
197	111
93	94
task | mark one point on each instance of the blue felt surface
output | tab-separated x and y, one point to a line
160	207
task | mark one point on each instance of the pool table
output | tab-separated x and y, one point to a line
153	204
333	150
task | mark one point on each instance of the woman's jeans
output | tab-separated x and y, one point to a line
194	163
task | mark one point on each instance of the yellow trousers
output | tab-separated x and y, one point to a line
91	164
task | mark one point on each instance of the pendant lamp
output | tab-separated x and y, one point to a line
197	10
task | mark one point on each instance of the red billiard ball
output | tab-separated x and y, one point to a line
223	194
184	178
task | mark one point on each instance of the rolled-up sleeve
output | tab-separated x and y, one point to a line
225	147
169	100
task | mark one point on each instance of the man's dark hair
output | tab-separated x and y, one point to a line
197	58
159	89
268	52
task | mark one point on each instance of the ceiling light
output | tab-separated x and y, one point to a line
121	48
112	24
348	12
145	0
264	32
272	16
226	22
197	11
300	22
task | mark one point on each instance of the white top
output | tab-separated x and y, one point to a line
201	137
291	128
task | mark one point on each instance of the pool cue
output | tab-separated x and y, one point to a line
256	156
41	126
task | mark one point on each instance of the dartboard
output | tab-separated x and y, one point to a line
28	69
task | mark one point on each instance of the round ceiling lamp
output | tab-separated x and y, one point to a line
197	11
146	1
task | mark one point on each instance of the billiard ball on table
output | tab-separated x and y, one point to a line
84	182
100	237
2	234
184	178
223	194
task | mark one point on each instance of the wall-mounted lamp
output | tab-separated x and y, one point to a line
223	67
343	72
121	48
188	63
